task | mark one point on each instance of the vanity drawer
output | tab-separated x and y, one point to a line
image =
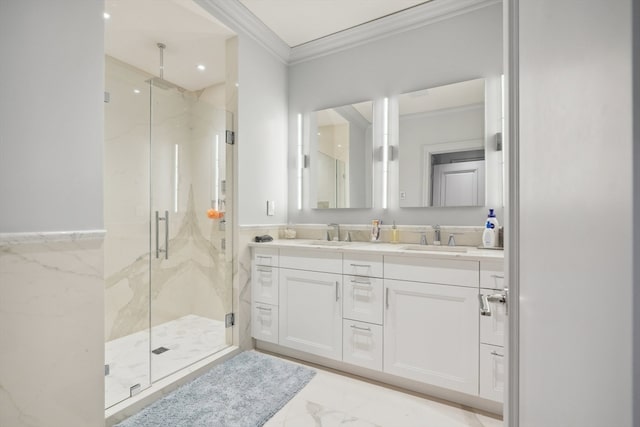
265	256
362	344
362	265
264	284
363	299
264	322
492	372
439	271
492	274
311	260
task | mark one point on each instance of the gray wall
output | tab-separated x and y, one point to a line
461	48
576	222
262	134
51	115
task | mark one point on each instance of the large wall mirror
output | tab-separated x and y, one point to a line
447	158
341	147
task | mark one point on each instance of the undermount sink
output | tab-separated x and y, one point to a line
433	248
330	243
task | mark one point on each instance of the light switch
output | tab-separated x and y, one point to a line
271	207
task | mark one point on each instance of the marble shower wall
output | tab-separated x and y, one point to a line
140	178
52	353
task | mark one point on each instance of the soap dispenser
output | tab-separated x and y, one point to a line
490	234
395	233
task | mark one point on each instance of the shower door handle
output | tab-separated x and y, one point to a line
166	234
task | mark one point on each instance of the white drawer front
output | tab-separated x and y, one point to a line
265	256
362	265
439	271
492	328
311	260
363	298
264	322
264	284
492	274
492	372
362	345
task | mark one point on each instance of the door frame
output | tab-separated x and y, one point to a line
512	209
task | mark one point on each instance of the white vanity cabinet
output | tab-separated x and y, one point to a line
492	332
431	325
431	334
363	298
264	276
311	302
264	294
411	316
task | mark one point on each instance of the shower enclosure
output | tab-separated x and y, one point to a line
168	271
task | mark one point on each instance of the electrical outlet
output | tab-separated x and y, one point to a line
403	195
271	208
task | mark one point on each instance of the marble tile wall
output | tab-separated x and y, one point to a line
196	279
51	342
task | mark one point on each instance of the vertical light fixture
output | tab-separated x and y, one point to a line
300	162
385	152
175	178
217	174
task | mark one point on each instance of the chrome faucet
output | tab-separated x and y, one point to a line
436	239
423	239
336	227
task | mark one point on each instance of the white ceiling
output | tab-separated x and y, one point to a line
301	21
192	37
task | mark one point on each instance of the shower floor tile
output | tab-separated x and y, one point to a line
187	340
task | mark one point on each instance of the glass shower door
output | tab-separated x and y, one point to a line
126	245
190	268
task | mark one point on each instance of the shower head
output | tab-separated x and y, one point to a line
163	84
160	82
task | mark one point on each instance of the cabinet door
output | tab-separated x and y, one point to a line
264	322
264	284
363	299
431	334
310	312
362	345
492	372
492	327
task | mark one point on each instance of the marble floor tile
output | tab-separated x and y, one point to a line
188	340
331	399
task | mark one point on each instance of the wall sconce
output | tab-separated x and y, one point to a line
302	160
385	152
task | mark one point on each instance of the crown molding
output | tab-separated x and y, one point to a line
238	18
407	20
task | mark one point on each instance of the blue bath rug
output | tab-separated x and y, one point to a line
244	391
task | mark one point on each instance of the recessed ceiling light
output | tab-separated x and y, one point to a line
136	91
201	67
237	84
106	15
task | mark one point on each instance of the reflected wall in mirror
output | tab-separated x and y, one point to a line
443	146
341	146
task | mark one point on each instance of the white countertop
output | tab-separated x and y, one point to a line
404	249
